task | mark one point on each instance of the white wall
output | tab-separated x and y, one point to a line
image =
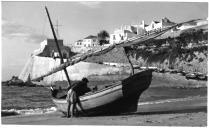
119	33
37	66
153	26
89	42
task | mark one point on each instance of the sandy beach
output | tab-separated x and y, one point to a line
160	105
181	112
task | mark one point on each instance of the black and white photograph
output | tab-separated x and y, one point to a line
104	63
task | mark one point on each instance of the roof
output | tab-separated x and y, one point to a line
167	22
90	37
127	31
79	41
156	22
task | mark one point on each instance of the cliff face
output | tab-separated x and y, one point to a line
189	60
187	52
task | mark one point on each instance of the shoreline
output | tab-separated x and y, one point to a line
191	112
161	112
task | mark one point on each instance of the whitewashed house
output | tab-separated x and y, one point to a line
153	26
78	46
129	31
79	43
156	25
123	34
82	46
90	41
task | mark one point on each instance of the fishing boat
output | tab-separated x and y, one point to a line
116	97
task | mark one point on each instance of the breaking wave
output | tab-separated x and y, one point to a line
12	112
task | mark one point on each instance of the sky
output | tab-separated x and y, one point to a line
25	24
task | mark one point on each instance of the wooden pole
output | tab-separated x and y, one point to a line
58	48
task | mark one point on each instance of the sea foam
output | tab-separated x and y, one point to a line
10	112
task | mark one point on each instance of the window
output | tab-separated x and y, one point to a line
113	37
121	37
64	55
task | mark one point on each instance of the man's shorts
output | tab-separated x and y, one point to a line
71	97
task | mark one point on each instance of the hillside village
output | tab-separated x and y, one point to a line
182	50
126	32
186	37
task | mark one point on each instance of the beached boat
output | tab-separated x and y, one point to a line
118	97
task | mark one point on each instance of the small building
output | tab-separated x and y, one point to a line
79	43
156	25
122	34
129	31
90	41
153	26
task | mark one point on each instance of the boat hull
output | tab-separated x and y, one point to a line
119	97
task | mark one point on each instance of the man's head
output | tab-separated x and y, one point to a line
85	80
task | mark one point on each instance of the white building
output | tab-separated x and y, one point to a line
153	26
156	25
129	31
82	46
123	34
79	43
90	41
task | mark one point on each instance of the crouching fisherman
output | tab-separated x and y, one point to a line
73	94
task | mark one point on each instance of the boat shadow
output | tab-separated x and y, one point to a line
179	111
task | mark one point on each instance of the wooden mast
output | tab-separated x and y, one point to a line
58	48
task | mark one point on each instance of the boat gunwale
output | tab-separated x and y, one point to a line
91	95
114	84
111	85
89	98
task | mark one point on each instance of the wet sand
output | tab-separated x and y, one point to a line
182	112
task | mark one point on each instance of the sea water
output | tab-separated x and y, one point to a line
37	100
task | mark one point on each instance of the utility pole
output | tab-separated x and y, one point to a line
57	29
